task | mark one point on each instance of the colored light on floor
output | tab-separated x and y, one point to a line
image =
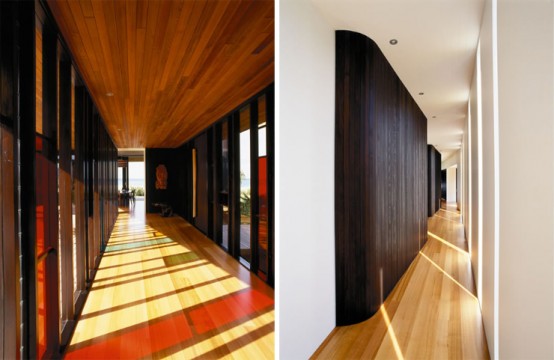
126	344
178	259
143	288
228	309
138	244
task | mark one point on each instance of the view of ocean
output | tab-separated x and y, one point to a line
133	182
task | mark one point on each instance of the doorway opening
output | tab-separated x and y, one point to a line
131	179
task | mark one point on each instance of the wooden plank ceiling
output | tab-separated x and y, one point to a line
173	66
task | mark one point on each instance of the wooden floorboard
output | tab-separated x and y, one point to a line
164	290
432	313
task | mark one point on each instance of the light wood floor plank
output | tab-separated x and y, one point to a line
432	313
164	290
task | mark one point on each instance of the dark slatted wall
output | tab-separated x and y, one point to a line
175	163
380	178
434	180
202	203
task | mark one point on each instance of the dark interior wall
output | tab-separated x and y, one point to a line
176	164
202	202
380	178
443	184
435	180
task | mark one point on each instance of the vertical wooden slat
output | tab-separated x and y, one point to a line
9	250
434	180
8	244
64	199
210	183
96	192
254	203
270	118
90	178
217	180
234	184
50	129
25	174
80	214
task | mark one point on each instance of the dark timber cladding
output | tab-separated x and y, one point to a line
380	178
434	182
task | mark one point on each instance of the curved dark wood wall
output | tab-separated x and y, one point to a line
380	178
434	183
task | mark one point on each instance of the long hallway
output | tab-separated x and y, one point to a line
165	290
432	313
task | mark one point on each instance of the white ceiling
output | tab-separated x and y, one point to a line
435	54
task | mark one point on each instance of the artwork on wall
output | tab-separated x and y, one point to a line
161	177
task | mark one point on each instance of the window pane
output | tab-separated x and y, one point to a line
262	210
245	210
224	191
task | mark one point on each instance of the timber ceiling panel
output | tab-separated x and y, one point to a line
174	66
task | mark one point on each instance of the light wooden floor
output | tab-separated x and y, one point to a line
165	290
432	313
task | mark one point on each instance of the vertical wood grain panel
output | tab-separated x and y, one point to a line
80	207
9	249
25	172
434	180
64	196
202	204
380	178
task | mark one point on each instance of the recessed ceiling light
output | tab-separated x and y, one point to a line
109	94
393	41
420	93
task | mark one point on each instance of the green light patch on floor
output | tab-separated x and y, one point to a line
178	259
138	244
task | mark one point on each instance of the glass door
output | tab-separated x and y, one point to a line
46	190
245	189
262	210
243	192
222	181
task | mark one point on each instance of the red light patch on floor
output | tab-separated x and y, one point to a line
160	335
225	311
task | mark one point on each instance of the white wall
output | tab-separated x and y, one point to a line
475	188
454	180
451	175
452	160
305	175
526	160
510	151
466	166
488	175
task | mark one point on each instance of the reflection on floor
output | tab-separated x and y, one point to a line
432	313
165	290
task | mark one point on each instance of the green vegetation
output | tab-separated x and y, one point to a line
245	202
139	191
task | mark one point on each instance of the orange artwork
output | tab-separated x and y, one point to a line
161	177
